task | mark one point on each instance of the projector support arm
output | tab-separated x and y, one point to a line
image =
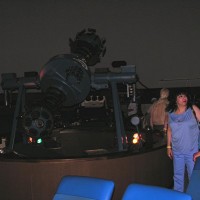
121	136
19	106
127	75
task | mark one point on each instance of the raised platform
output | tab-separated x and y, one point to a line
37	179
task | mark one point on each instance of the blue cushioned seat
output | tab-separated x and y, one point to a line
194	183
147	192
84	188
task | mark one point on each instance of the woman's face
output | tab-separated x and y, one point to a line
182	99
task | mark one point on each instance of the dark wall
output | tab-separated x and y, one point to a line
161	37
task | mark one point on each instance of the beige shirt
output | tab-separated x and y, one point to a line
158	113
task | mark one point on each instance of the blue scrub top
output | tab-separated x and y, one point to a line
185	132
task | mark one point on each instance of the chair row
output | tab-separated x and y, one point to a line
91	188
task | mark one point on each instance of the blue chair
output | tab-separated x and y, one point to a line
144	192
84	188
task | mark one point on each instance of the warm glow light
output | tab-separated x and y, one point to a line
30	140
136	138
135	141
136	135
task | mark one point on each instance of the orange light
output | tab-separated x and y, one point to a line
136	135
30	139
135	141
136	138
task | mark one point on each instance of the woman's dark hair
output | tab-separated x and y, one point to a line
172	104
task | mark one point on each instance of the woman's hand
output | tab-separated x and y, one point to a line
196	155
170	153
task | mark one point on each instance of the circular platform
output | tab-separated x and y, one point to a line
37	179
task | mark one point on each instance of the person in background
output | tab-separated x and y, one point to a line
158	114
182	136
146	117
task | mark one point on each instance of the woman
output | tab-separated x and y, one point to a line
182	137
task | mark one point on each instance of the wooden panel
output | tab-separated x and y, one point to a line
38	180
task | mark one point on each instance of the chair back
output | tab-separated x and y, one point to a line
84	188
144	192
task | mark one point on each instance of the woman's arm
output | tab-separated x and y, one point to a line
169	138
196	155
197	112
